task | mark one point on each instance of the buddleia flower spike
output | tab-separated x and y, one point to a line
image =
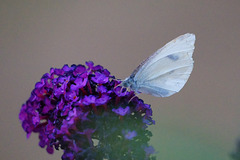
78	109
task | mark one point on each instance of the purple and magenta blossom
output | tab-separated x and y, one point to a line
87	100
72	105
79	70
149	150
79	83
101	89
122	111
129	134
100	78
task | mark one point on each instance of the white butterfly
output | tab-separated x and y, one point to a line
166	71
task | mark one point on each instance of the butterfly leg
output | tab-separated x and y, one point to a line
135	95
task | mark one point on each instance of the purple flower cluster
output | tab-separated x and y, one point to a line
73	107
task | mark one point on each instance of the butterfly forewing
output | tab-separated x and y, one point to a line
168	69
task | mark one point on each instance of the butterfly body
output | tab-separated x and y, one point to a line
166	71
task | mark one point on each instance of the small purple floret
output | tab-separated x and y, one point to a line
121	111
130	134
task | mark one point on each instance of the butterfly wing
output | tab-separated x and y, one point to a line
168	69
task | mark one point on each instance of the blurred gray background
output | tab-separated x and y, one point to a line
201	122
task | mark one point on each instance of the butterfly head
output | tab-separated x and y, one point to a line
129	83
126	83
